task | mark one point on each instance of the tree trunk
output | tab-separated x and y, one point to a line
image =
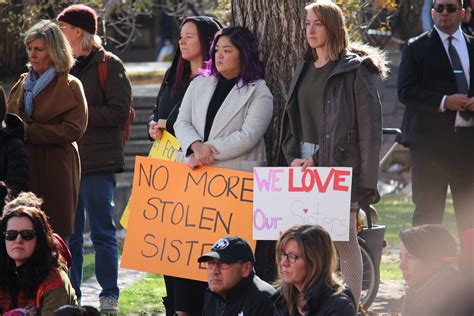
12	51
278	26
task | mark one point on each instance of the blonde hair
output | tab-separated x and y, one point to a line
59	50
90	40
319	255
330	14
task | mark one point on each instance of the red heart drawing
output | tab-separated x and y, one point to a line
305	210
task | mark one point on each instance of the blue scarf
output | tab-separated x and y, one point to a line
34	84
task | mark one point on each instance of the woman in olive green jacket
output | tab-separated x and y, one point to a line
333	117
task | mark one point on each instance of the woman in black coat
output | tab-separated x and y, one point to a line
13	160
307	283
197	33
183	296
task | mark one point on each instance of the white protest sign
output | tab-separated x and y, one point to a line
284	197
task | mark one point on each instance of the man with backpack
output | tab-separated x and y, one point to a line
108	92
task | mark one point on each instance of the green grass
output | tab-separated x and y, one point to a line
395	212
144	296
88	266
389	269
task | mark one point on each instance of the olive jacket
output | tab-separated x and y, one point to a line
350	126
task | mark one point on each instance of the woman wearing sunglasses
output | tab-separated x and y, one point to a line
33	272
308	285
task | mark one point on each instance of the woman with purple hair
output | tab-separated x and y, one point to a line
226	111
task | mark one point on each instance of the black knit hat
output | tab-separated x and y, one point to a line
81	16
428	242
230	250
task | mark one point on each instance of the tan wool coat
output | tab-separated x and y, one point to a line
58	121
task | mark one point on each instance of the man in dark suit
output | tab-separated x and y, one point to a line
436	83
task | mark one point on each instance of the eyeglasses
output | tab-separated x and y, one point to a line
26	234
290	257
218	264
450	8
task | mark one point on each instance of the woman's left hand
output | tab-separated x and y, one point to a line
161	123
194	163
204	153
303	163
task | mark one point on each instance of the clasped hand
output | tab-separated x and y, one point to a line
303	163
459	102
203	155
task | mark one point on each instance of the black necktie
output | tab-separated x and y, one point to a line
463	88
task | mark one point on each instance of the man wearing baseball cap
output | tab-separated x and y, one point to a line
108	92
234	289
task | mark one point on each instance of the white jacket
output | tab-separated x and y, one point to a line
238	128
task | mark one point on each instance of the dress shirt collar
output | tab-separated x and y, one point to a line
444	37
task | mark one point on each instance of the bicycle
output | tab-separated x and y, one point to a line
371	241
375	18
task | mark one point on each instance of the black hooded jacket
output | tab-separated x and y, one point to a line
169	99
13	158
322	301
251	296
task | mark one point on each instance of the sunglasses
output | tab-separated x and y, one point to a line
450	8
26	234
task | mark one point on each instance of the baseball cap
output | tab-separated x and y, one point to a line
230	250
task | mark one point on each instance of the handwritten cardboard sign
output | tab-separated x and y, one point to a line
164	148
284	197
177	214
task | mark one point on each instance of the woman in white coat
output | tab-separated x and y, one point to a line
226	111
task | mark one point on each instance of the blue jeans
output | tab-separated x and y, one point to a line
96	198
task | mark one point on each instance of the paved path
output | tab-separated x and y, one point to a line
91	289
389	298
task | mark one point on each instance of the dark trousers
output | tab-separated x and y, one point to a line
433	169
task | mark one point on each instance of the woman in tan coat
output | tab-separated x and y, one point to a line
53	106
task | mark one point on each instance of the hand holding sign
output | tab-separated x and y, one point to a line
178	214
163	148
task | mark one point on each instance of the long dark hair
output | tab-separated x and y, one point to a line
206	29
46	254
251	68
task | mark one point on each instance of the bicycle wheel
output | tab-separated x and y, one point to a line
370	278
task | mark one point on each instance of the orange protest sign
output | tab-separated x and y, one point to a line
164	148
178	213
